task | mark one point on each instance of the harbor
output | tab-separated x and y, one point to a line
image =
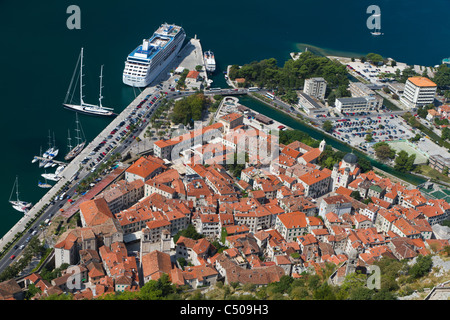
189	57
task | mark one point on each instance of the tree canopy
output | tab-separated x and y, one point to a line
266	73
383	151
404	162
442	76
189	109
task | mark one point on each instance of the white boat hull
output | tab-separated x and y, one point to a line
50	176
90	110
20	208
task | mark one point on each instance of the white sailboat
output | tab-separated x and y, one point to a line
17	204
377	31
35	159
55	150
48	164
54	176
47	153
45	185
60	169
80	141
91	109
51	176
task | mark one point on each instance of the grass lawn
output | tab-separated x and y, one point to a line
432	173
390	105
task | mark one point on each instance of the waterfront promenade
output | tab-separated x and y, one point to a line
71	169
189	57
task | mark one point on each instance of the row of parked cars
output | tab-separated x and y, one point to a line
119	132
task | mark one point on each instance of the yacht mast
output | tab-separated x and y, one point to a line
81	78
17	188
100	97
77	129
69	145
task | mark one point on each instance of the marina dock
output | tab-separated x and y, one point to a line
51	160
189	57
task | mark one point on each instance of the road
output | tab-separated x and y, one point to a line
122	147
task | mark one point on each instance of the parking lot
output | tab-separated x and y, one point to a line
382	128
373	73
143	110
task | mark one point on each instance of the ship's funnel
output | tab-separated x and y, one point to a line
145	45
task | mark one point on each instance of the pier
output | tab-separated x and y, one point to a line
52	160
189	57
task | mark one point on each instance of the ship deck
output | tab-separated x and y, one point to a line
156	44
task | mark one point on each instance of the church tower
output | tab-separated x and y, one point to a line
322	145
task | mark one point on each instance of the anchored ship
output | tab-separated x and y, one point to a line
147	61
81	141
17	204
377	31
86	108
210	62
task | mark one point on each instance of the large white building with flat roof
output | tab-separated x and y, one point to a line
355	104
315	87
310	105
419	91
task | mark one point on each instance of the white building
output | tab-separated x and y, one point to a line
315	87
310	105
357	104
419	91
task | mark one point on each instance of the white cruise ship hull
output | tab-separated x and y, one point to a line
154	73
154	65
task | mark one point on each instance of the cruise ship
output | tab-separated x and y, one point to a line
210	62
147	61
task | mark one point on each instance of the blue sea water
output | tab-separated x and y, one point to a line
38	55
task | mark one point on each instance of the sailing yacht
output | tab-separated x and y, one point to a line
54	176
48	164
45	185
51	176
91	109
35	159
377	31
52	150
47	153
17	204
55	150
81	141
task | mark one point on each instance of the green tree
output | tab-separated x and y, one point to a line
189	109
445	133
327	125
421	268
189	232
442	76
157	289
374	58
324	292
364	164
355	195
404	162
383	151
